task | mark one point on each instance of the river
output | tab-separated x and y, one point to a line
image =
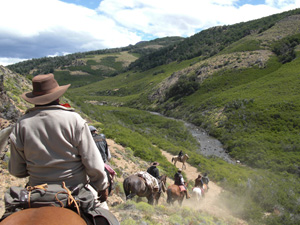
209	146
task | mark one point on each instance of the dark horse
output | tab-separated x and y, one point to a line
135	185
174	194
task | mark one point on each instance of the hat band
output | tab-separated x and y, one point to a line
38	93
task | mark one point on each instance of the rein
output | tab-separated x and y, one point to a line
71	199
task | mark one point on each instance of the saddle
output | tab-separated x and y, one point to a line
80	199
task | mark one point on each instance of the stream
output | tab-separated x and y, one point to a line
209	146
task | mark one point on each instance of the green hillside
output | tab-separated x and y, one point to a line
240	83
88	67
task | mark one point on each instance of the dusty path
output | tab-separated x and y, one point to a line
211	203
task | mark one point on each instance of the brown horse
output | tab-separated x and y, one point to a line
183	159
48	215
174	194
135	185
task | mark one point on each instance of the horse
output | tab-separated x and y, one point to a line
198	192
135	185
48	215
183	159
174	194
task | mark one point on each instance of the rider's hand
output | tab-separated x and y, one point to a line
102	195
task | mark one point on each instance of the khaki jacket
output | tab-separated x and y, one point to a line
51	144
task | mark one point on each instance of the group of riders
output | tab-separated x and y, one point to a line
52	145
178	178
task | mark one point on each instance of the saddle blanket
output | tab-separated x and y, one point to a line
182	188
150	180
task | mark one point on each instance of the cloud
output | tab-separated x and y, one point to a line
35	28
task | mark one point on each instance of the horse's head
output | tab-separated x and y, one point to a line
187	156
163	181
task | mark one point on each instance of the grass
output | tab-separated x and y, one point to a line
142	212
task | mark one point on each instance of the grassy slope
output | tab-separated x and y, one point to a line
247	105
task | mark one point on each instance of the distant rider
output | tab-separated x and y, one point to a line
205	179
153	170
178	178
198	181
101	143
180	154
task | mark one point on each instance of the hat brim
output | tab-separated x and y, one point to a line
155	164
47	98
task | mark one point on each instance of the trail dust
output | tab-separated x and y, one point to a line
211	203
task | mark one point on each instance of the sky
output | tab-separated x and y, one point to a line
44	28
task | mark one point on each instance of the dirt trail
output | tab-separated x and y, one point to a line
211	203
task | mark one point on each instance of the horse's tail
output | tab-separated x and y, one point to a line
126	187
172	159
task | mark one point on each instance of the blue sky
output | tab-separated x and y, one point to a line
41	28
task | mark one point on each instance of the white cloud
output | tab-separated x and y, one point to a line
45	25
283	4
7	61
38	28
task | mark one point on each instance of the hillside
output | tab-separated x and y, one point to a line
88	67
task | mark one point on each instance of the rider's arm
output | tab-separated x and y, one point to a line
157	173
181	180
17	163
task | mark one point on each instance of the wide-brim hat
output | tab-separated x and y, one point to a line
45	90
154	164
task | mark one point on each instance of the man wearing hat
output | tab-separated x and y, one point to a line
205	179
52	144
153	170
199	182
178	179
101	143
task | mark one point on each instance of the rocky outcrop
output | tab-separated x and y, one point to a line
11	105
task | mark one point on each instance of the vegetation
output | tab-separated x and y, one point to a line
209	42
52	64
154	215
